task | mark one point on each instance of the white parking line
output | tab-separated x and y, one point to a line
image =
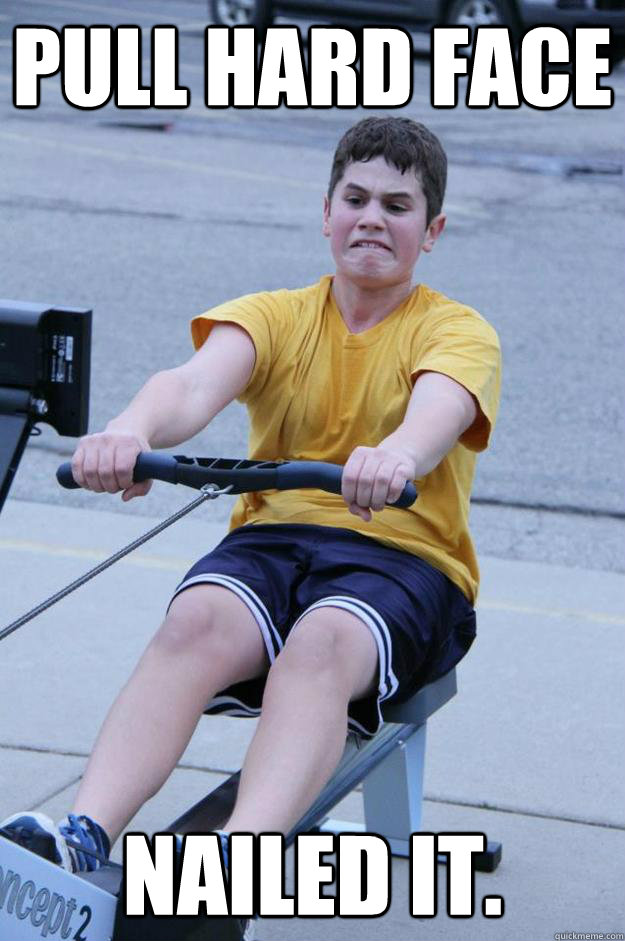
171	564
174	564
599	616
202	168
123	157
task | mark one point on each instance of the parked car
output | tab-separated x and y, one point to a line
519	15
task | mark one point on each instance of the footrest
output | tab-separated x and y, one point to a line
490	858
41	899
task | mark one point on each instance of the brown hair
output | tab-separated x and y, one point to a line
402	142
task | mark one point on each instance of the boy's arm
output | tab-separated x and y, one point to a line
439	411
173	405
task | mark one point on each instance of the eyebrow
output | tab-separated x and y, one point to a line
362	189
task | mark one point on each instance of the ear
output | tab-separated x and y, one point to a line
433	231
326	217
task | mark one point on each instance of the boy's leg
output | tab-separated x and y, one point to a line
329	659
208	641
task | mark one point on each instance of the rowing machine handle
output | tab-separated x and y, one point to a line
241	475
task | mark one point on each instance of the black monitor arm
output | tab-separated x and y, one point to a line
45	355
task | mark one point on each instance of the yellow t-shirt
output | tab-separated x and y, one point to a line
318	391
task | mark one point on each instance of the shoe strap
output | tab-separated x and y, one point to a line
81	848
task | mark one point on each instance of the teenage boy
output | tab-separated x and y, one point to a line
315	605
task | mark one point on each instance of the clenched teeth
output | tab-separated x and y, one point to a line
363	244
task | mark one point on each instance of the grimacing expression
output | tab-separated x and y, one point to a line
376	223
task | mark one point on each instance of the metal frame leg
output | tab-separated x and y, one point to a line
392	796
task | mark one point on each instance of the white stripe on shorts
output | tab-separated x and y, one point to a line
231	706
387	681
271	637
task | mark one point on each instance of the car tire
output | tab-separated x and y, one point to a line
476	13
257	13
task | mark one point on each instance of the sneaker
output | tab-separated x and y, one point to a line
86	842
39	834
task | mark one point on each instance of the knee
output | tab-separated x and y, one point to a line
185	632
332	650
310	654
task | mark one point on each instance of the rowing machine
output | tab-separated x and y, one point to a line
38	899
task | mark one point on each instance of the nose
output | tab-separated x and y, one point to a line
372	216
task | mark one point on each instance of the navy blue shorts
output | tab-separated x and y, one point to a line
421	621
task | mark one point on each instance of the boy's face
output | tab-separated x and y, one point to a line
376	224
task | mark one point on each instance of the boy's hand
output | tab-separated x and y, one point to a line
104	462
373	477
